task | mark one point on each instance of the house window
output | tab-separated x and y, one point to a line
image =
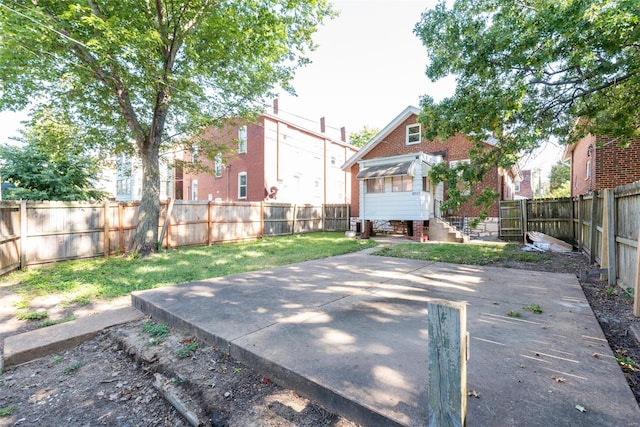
426	184
463	186
516	187
333	160
242	185
242	139
218	166
194	153
401	183
375	185
413	134
588	168
194	189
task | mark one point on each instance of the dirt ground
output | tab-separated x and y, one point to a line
128	375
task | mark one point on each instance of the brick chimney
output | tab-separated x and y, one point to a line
343	134
322	126
275	106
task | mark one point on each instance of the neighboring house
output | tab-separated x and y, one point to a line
599	162
128	185
522	186
390	180
275	160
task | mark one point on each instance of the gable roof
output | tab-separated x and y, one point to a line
380	136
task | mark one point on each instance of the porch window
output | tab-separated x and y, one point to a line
375	185
402	183
426	184
242	185
413	134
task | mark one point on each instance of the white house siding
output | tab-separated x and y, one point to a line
401	205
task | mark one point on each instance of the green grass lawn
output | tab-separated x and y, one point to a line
83	281
476	253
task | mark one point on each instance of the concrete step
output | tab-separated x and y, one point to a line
42	342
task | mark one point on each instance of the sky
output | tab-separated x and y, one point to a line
368	67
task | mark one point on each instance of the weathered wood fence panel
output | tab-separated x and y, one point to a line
511	223
55	231
336	217
552	217
9	236
627	200
579	220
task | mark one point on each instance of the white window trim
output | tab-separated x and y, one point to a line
194	189
217	173
246	182
242	139
409	134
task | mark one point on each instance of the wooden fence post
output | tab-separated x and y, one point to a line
121	227
166	222
580	235
611	237
524	217
594	228
107	242
209	222
448	346
293	225
636	286
608	248
23	235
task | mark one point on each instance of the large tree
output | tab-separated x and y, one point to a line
142	73
527	70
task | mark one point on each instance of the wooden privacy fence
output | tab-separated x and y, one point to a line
604	224
33	233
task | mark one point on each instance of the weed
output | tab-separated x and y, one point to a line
512	313
82	300
186	351
626	362
611	292
534	308
33	315
158	331
57	359
237	370
56	322
72	368
179	380
7	410
21	304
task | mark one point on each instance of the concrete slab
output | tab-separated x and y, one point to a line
38	343
351	333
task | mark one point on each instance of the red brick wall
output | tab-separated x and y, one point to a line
526	190
455	148
580	182
616	165
251	162
355	192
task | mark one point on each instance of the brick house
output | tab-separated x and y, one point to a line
274	160
522	186
399	153
599	162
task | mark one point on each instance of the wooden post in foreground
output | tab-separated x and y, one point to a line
636	288
447	327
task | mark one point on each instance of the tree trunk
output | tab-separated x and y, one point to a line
146	236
